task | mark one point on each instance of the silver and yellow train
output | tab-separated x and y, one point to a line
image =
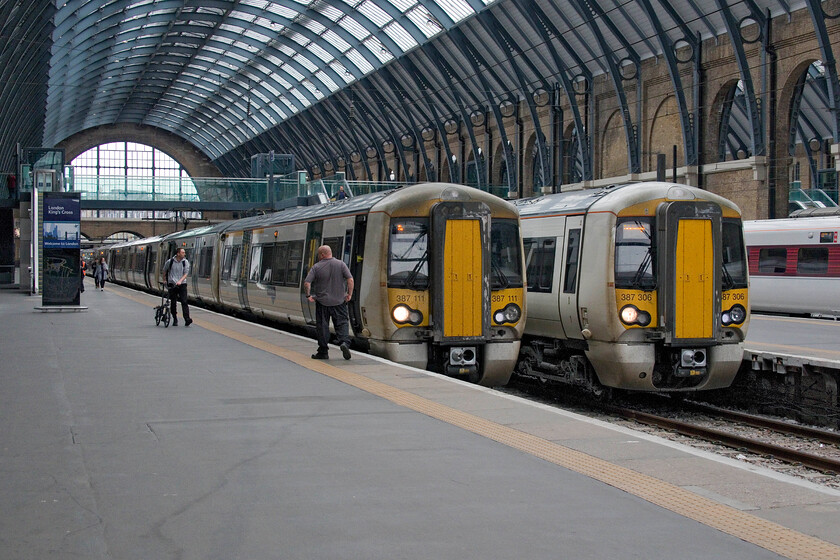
438	272
640	287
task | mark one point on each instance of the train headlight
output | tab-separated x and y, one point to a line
735	315
631	315
404	314
510	314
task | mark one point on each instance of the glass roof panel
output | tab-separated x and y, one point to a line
456	9
374	13
375	46
358	30
325	78
400	36
360	61
318	51
423	19
332	38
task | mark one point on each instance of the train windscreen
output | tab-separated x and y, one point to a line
505	258
634	254
408	258
734	258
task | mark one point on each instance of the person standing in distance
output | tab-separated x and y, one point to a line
330	285
175	271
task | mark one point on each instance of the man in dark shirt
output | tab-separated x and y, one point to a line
330	285
175	271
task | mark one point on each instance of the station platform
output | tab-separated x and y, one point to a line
226	440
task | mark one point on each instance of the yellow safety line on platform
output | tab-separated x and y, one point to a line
766	534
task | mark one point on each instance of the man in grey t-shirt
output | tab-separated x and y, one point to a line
330	285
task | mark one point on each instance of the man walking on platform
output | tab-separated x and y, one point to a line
330	285
175	271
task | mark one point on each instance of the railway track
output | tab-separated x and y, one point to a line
823	463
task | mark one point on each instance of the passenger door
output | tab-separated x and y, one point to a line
313	241
569	285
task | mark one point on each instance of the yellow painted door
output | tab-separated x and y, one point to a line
694	290
462	279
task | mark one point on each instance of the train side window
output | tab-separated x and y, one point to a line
267	272
812	260
295	258
572	252
206	262
335	244
256	263
772	260
236	261
226	261
540	254
281	253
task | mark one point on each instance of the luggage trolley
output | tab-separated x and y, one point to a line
162	311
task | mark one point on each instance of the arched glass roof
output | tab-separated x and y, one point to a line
332	80
222	71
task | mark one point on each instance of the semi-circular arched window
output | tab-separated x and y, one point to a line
122	171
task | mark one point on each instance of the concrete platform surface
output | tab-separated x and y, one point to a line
123	440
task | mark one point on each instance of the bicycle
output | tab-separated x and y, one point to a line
163	313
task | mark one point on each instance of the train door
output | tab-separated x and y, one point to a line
310	256
357	259
692	299
568	301
242	267
460	266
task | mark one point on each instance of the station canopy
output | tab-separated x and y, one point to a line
327	79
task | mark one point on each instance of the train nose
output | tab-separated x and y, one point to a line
693	358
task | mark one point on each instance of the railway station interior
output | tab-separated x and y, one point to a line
155	118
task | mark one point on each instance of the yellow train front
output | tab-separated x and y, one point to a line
640	287
448	261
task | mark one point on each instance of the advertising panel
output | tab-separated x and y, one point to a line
61	254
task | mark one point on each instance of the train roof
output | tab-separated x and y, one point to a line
579	202
355	205
792	224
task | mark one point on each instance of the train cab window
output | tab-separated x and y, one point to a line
772	260
572	255
634	252
408	256
226	261
812	260
505	259
734	258
539	260
295	259
254	264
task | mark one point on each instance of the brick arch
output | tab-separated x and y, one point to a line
784	106
713	131
665	133
528	166
196	163
613	147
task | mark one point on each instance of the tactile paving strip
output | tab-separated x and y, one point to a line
766	534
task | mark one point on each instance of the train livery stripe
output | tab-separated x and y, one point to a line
695	280
741	524
462	279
